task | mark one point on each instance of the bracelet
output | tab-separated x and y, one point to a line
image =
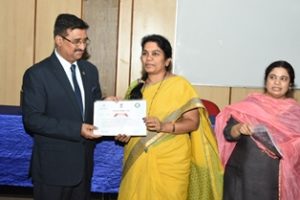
173	127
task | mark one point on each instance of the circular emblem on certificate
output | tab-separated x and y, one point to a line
137	105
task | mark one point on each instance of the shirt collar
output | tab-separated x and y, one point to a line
66	64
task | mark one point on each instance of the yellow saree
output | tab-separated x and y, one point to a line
167	166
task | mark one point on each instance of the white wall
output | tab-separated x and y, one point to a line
230	43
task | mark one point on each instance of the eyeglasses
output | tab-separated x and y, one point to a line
77	42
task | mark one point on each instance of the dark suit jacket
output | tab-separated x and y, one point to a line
60	156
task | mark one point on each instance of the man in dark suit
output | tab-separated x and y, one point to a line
57	107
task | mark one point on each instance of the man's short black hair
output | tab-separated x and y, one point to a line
67	21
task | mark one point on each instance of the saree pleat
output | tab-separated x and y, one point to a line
206	178
168	166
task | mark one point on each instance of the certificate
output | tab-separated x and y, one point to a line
261	134
123	117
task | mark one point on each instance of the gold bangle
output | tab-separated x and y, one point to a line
173	127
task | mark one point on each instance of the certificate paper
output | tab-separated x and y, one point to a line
261	134
123	117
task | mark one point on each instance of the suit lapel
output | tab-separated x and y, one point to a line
62	78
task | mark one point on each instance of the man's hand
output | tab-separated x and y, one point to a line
87	131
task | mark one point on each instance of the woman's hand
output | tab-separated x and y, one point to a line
245	129
122	138
241	129
153	124
188	122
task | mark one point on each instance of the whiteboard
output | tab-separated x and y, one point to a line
231	42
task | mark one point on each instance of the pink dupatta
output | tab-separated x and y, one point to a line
282	118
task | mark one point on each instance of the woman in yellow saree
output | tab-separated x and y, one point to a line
178	158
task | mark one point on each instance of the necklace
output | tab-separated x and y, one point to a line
156	92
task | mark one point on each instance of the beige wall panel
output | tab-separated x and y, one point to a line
218	95
297	95
102	16
238	93
16	49
47	12
151	16
124	47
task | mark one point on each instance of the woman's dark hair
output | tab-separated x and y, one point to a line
289	69
166	47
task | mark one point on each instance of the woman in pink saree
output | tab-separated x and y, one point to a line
259	141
